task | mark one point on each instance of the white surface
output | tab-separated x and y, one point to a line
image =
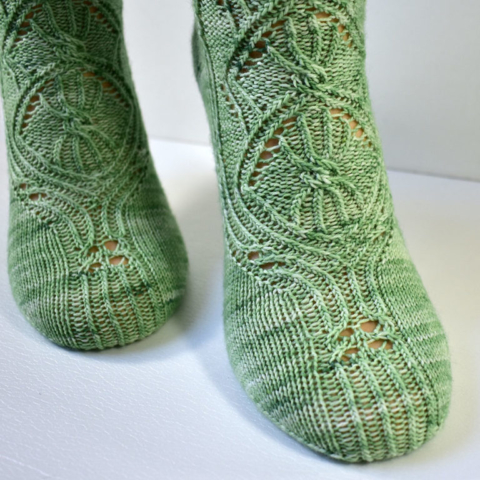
170	408
423	66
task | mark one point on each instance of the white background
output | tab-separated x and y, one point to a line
169	407
423	59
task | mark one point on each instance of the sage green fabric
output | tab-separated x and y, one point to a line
328	326
95	256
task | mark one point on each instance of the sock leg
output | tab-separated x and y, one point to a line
95	257
328	325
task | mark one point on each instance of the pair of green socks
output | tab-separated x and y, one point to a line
328	326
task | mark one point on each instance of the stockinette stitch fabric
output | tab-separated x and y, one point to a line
328	326
95	256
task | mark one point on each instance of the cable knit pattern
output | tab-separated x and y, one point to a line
328	326
95	256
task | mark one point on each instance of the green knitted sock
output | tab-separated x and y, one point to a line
95	255
328	326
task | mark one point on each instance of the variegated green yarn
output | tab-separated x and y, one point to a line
95	256
328	326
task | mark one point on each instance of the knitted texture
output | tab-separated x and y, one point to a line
328	326
95	256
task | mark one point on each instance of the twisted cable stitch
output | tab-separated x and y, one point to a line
328	326
95	256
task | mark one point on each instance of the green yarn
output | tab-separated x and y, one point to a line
328	326
95	255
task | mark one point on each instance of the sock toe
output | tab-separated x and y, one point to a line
353	388
94	293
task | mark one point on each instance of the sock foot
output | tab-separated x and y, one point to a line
95	256
328	326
